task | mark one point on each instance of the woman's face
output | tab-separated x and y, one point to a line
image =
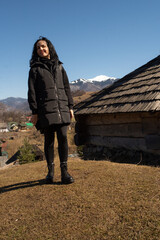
42	49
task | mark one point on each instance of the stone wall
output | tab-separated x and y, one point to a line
120	155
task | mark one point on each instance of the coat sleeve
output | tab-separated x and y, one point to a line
32	92
67	88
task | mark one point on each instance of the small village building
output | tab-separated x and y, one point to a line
4	127
13	126
22	127
25	126
29	125
123	117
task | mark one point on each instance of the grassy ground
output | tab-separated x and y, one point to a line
108	200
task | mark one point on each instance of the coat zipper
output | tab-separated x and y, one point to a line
59	113
56	92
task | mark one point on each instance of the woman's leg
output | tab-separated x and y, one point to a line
62	142
63	153
49	152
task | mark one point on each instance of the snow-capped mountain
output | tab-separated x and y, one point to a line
92	84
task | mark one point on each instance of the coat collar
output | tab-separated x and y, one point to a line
45	63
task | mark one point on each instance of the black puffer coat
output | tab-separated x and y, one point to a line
49	93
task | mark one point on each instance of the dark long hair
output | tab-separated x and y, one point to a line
52	51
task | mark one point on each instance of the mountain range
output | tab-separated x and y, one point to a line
92	84
11	103
87	85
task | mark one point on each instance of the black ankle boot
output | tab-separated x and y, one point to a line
66	178
50	175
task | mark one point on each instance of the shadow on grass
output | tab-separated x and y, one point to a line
28	184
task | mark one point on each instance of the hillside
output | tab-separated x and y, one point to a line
15	103
21	104
108	201
84	96
3	107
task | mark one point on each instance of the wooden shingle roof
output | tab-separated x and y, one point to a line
139	91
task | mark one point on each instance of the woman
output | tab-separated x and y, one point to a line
50	100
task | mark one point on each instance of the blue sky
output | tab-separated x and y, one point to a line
91	37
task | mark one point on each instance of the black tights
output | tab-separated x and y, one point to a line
49	136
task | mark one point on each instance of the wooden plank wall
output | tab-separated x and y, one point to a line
137	131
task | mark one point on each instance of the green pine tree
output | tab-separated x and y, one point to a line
26	153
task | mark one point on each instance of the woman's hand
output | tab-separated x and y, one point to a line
34	119
71	113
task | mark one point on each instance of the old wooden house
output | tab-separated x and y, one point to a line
125	115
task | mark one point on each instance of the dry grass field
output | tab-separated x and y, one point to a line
108	201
